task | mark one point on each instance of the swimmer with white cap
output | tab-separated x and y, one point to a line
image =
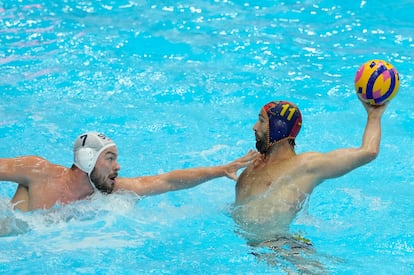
86	150
42	184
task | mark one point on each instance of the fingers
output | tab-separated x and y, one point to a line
233	167
247	159
251	155
232	176
375	109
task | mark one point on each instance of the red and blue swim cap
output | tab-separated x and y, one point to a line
285	120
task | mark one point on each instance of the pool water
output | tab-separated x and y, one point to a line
180	84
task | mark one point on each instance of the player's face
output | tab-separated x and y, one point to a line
106	170
261	132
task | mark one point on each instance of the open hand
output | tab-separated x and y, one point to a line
232	168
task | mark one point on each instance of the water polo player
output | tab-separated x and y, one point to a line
273	189
42	184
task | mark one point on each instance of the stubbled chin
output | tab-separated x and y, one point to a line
112	182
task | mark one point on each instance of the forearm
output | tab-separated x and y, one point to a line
372	135
183	179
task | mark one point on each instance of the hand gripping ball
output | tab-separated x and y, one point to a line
376	82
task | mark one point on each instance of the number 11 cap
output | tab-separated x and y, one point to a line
285	120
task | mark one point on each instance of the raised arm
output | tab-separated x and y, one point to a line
339	162
21	169
182	179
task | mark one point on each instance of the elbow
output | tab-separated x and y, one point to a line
370	155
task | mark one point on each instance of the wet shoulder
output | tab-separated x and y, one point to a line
33	160
40	165
308	160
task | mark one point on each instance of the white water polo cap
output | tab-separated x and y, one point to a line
87	149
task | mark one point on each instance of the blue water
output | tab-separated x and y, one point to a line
180	84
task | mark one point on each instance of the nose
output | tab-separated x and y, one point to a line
255	127
117	167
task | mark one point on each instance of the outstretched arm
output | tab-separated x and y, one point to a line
20	169
182	179
339	162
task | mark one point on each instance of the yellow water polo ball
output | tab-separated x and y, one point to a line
376	82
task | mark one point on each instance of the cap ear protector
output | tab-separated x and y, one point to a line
84	159
285	120
87	149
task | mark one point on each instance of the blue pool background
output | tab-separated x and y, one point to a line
180	84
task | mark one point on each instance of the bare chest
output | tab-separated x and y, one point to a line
258	180
49	191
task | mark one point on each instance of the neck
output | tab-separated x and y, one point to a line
81	181
280	151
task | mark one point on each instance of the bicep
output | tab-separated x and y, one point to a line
338	162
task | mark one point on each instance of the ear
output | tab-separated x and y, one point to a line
84	158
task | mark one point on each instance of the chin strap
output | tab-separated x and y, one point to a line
92	184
